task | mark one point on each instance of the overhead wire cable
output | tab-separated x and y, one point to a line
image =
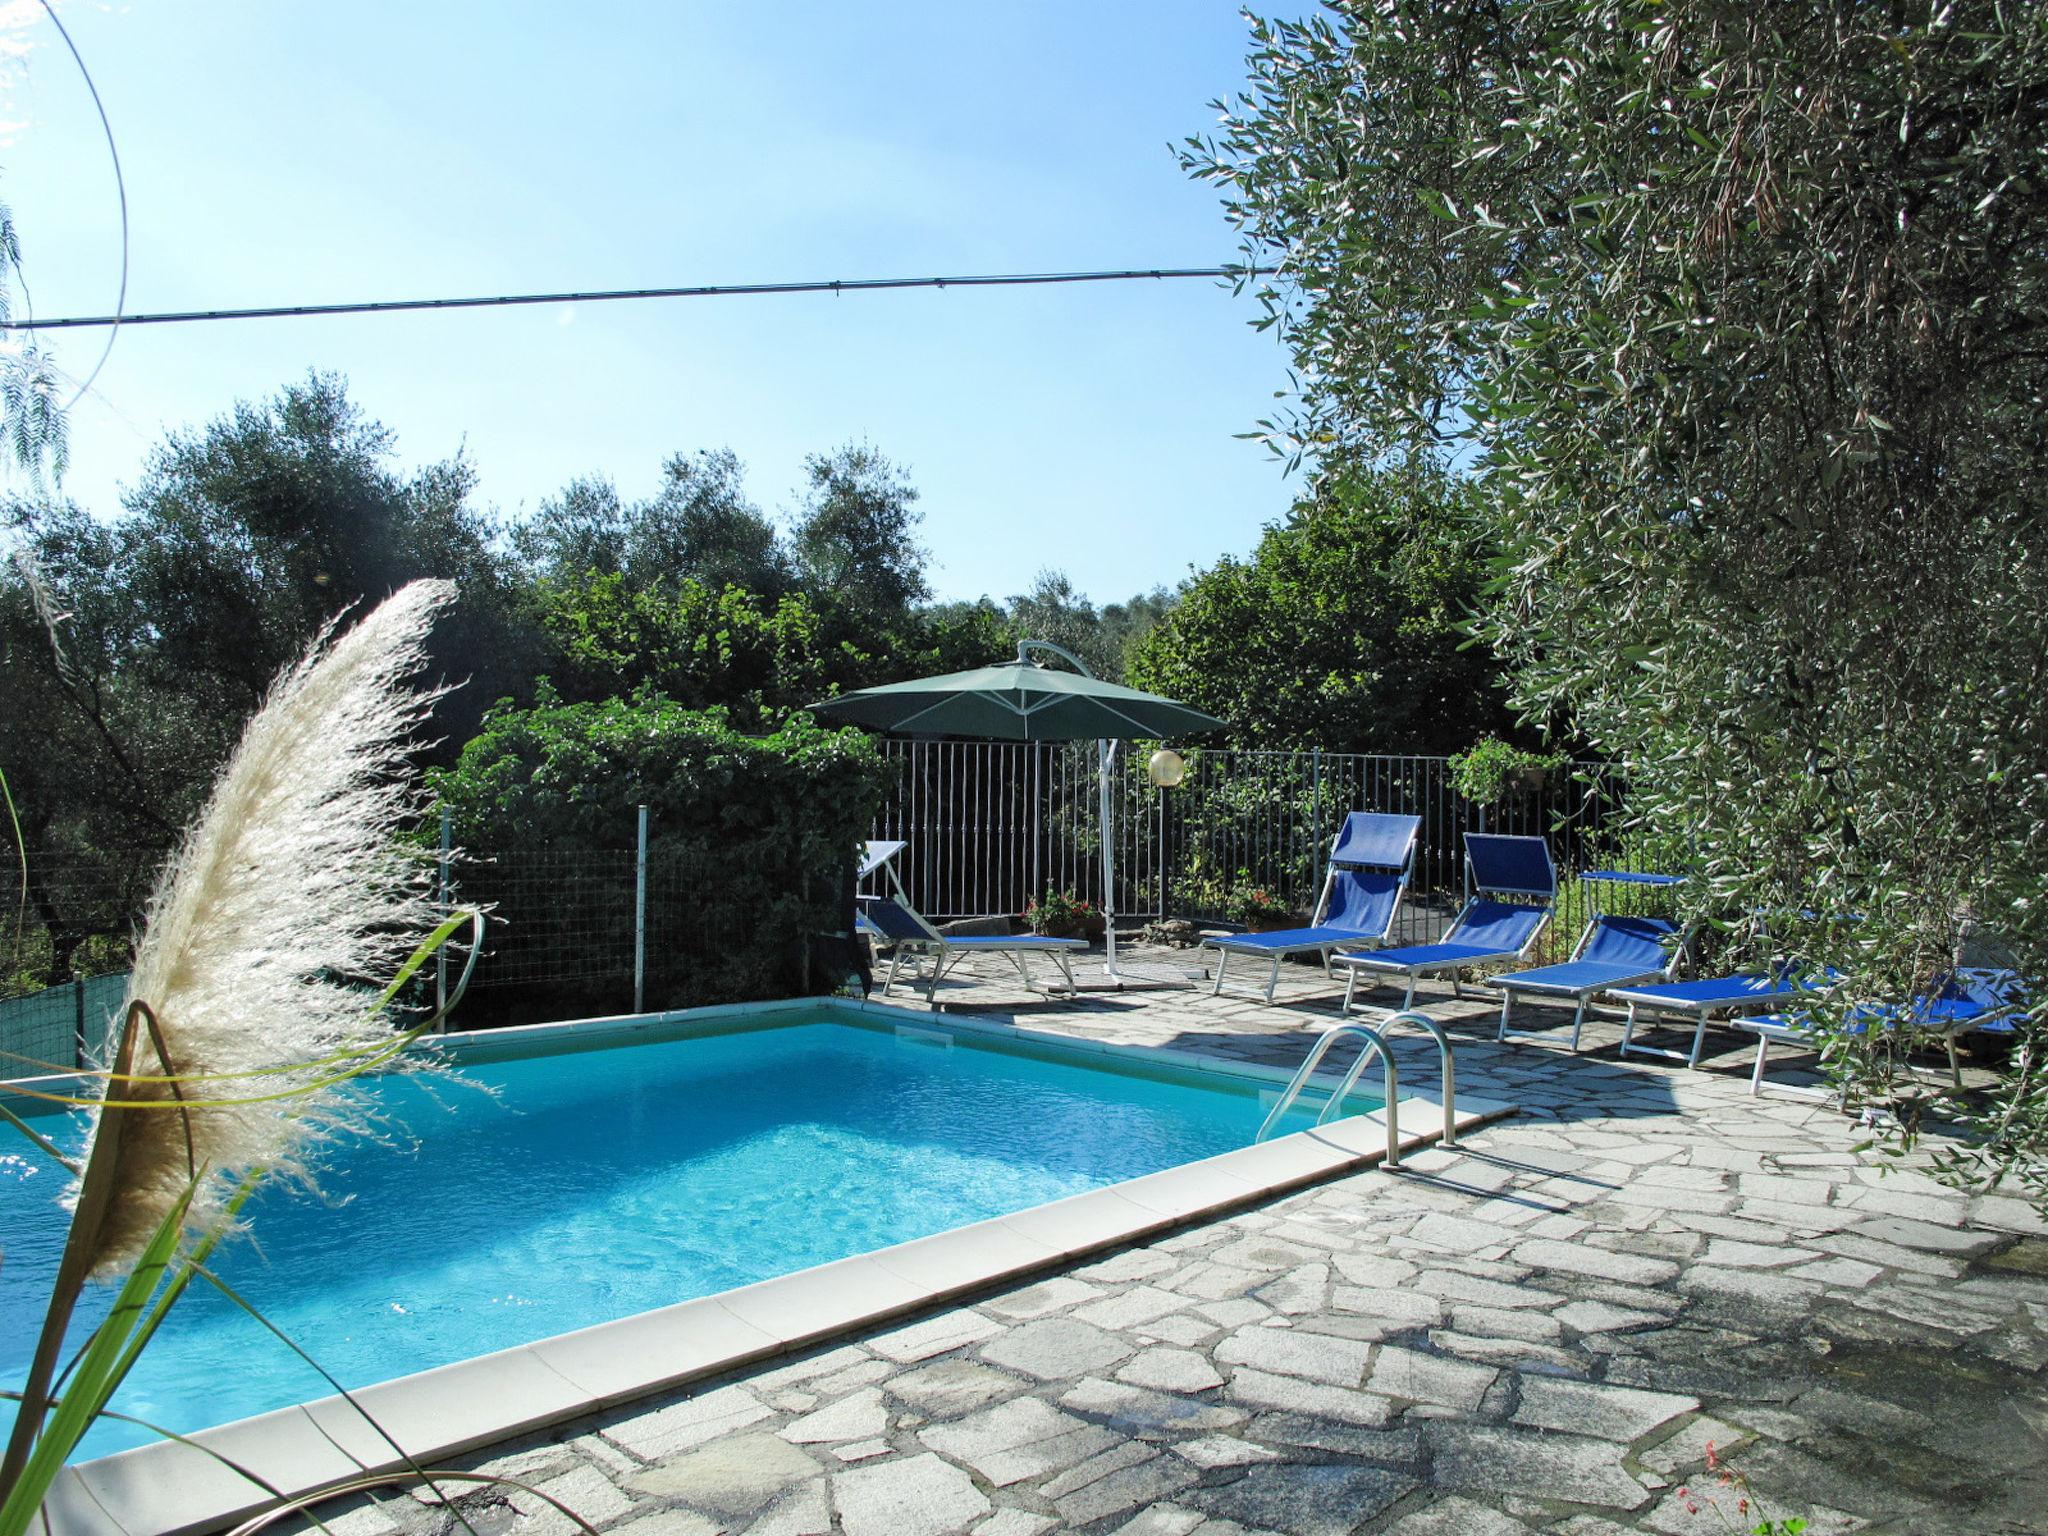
607	295
120	191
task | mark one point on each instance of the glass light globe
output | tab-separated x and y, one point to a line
1167	768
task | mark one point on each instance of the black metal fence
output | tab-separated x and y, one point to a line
991	825
988	826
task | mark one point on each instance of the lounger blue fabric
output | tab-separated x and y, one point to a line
1713	993
1486	930
1514	866
1369	866
1613	952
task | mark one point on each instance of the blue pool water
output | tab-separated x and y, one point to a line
590	1185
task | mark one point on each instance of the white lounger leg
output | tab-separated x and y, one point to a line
1699	1038
1273	980
1628	1029
1222	964
1350	986
1756	1078
1955	1068
1409	1001
895	960
1017	959
1067	969
1579	1017
1507	996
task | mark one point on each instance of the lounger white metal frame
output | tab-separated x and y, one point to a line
919	936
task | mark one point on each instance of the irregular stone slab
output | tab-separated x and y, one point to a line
1014	1522
1507	1323
1147	1415
1754	1287
1127	1309
1170	1370
917	1496
651	1436
1920	1234
1429	1379
671	1522
1263	1253
1455	1516
1136	1264
1481	1459
1022	1438
1292	1352
1837	1272
1398	1309
934	1336
1689	1446
1298	1291
946	1388
1401	1446
806	1510
863	1450
1289	1394
1057	1347
1223	1451
1454	1285
1601	1263
588	1490
733	1478
1307	1499
1164	1520
1036	1300
1117	1489
1179	1328
859	1417
1740	1255
1459	1234
1599	1317
1623	1414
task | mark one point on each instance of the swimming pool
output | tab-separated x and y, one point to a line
590	1184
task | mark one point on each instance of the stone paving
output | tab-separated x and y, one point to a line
1543	1330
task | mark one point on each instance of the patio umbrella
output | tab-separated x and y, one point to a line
1023	701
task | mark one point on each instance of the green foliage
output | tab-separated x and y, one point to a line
759	831
855	536
758	658
1735	313
1343	629
1062	915
1492	771
1103	638
32	423
1255	905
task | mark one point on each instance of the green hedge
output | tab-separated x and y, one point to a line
751	849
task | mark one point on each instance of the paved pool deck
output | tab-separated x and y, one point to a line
1541	1330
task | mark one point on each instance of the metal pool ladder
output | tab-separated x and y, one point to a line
1375	1045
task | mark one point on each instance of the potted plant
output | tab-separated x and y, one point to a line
1258	907
1064	915
1493	772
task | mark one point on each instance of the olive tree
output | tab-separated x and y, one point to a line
1738	317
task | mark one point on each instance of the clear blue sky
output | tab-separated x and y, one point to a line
301	152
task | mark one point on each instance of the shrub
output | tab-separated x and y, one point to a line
1062	915
750	849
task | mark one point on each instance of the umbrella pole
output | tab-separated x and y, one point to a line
1106	750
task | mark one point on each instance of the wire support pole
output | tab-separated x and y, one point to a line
612	295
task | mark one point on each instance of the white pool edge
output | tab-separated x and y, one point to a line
170	1489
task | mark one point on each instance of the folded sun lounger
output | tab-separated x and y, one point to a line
1492	928
1371	858
907	933
1612	952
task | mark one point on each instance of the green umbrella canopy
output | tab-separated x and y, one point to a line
1018	701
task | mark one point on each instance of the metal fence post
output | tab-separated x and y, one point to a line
78	1026
445	896
640	918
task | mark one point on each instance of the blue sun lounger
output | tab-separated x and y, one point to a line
1970	999
1703	1000
1371	858
1612	952
1514	884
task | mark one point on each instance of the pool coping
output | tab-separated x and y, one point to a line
170	1489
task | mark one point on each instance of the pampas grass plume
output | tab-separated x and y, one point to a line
293	894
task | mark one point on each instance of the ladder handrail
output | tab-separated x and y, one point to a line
1374	1042
1443	1046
